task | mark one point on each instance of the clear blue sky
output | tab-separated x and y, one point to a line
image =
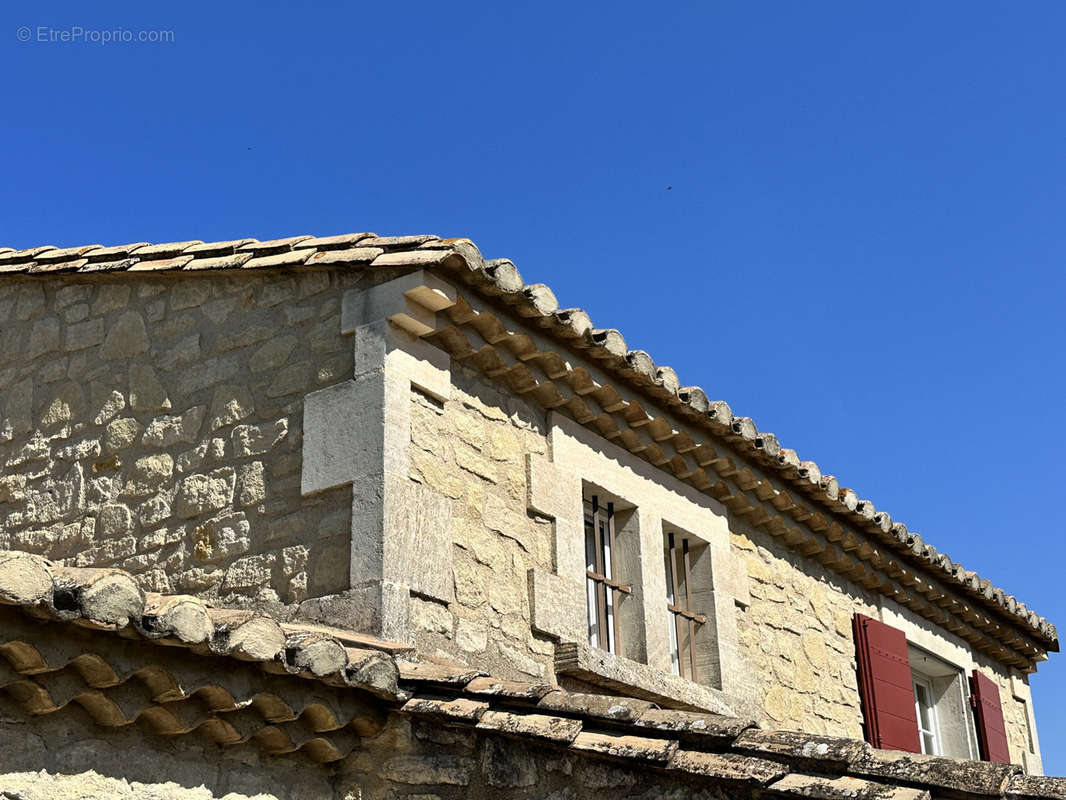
863	247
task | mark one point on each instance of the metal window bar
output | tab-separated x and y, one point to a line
603	589
682	613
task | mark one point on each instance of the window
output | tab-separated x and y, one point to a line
913	700
680	613
945	727
602	590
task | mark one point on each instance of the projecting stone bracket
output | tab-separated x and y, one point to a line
358	432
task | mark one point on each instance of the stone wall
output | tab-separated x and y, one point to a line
154	424
472	449
797	638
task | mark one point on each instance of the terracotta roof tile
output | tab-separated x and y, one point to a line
161	264
164	250
67	253
217	248
272	245
293	258
341	242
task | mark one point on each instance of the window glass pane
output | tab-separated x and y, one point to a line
669	575
594	628
590	548
928	744
610	622
675	661
925	706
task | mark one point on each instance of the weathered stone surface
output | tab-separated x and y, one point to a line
251	483
254	440
425	770
710	729
205	494
108	407
150	472
842	788
728	767
127	338
44	337
594	705
974	777
458	710
167	431
273	354
830	753
536	726
230	404
624	746
121	433
146	391
1032	786
114	521
84	335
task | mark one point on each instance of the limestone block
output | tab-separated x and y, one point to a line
551	488
31	301
127	338
149	473
336	422
557	606
189	294
251	485
18	410
111	297
471	637
203	494
250	572
153	511
272	354
12	488
146	392
66	403
730	575
222	538
71	294
84	335
253	440
106	403
76	313
230	404
44	337
169	430
417	535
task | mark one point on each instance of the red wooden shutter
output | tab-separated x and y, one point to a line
886	686
991	732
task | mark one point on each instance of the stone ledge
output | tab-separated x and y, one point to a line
633	679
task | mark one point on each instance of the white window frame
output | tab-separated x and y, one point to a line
933	747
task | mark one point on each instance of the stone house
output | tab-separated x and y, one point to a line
362	516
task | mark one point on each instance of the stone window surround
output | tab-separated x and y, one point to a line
579	456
